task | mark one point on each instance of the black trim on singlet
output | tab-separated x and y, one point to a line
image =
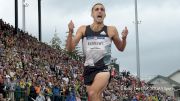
90	32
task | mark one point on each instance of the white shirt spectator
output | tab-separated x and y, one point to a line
12	74
113	97
66	80
40	97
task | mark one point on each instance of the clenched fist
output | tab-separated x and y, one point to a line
124	33
71	27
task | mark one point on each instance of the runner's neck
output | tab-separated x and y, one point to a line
96	26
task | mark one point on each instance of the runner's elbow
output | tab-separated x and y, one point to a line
121	49
70	49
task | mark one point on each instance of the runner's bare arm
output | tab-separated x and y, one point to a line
120	44
73	41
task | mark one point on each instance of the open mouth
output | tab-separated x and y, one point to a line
99	16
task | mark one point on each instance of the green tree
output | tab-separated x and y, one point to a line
56	41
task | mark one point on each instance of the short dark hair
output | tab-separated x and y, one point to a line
95	5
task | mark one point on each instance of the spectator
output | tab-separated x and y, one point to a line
1	97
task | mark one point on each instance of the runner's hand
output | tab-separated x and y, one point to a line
124	33
71	26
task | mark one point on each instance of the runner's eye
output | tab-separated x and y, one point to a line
101	9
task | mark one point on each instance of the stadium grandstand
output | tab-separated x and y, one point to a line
31	70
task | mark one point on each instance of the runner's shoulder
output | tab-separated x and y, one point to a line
82	29
111	27
111	30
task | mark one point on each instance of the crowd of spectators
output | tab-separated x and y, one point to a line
33	67
126	87
34	71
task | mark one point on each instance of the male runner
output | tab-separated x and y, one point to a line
96	42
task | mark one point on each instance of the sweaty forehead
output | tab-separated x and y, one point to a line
98	6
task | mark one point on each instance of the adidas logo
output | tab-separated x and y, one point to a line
102	33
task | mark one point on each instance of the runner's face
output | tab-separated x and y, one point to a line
98	13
